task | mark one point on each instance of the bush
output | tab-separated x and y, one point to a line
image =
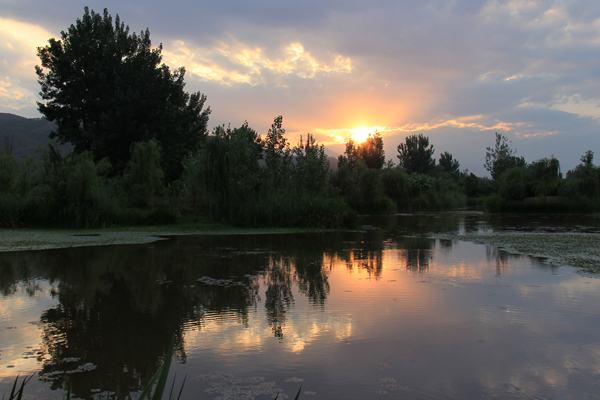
10	210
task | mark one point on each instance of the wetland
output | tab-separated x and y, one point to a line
424	306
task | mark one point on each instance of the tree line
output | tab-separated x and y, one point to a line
142	154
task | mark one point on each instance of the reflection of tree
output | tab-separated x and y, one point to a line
417	253
499	257
119	306
312	281
363	251
370	261
20	274
279	296
502	258
445	244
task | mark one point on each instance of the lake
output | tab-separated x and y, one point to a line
393	310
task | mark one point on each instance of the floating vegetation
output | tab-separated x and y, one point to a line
27	239
207	280
580	250
54	375
229	387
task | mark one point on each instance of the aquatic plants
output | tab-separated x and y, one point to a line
18	394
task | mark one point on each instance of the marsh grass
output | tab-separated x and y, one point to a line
17	394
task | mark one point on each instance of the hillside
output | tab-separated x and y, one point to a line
25	133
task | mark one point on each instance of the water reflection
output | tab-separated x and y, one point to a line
366	312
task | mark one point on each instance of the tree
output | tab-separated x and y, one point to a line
448	164
502	157
371	151
416	155
224	172
143	176
588	158
545	174
311	169
106	89
277	153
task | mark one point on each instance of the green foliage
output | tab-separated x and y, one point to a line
584	180
416	155
143	176
278	155
311	167
502	157
513	184
449	165
283	209
588	158
17	394
474	186
8	172
224	175
71	193
106	89
11	206
493	204
545	176
396	186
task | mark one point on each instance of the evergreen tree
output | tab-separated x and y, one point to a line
450	165
416	155
106	88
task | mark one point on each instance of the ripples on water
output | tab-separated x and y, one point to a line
381	313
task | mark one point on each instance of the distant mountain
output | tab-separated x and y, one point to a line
25	134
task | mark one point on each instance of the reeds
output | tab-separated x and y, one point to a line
18	394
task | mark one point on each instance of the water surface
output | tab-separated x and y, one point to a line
384	312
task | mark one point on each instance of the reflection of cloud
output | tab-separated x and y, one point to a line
236	62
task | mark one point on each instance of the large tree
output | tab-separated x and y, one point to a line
502	157
416	155
106	89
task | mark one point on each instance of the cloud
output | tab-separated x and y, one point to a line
18	46
230	62
455	70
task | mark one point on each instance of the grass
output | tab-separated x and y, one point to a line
40	239
17	394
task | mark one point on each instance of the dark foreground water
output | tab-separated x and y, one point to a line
379	313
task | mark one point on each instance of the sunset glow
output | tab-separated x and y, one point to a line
361	134
337	70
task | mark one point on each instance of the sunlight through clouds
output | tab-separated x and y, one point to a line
342	135
236	62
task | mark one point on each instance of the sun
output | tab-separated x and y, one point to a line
360	134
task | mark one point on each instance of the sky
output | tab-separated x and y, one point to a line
455	71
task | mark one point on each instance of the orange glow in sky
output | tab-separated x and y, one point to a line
361	134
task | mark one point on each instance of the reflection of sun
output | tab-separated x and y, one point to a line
360	134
